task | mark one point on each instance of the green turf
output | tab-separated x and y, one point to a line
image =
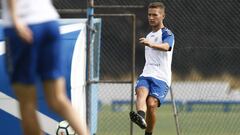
198	122
117	123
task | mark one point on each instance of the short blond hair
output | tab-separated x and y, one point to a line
157	5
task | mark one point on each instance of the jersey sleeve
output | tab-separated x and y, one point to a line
168	37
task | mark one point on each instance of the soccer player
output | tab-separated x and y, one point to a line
33	49
154	82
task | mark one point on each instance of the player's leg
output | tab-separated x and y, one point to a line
26	95
50	68
152	104
139	116
21	62
141	106
141	93
57	99
158	91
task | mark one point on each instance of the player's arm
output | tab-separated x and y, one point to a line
23	31
12	9
166	45
162	46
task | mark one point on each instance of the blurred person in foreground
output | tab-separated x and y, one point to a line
33	49
154	82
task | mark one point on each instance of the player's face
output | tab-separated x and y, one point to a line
155	16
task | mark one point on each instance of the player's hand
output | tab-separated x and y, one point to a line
24	32
145	42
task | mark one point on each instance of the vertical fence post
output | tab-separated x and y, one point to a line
90	12
90	17
133	66
175	113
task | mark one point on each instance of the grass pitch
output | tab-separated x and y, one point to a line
198	122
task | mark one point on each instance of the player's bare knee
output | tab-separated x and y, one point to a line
152	103
28	106
55	104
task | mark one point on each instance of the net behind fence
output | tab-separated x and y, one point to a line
116	50
205	65
114	109
70	4
116	65
207	102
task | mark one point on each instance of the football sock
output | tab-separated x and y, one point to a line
147	133
141	113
